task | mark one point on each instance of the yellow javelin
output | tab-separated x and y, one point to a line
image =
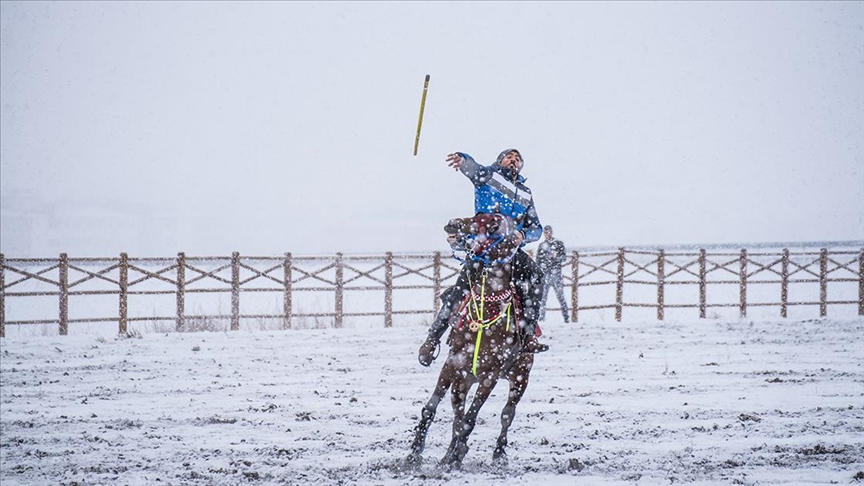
420	120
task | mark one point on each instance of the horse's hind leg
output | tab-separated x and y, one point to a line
458	396
427	414
518	378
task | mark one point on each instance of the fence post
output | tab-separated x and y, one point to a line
823	282
388	289
661	281
2	295
743	286
784	283
124	265
339	290
861	283
64	294
180	320
123	325
286	296
703	290
574	291
235	291
619	288
436	282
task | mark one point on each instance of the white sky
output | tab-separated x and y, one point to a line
289	126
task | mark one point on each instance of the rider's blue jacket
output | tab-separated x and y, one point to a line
500	190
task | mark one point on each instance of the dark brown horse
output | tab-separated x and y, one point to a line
485	339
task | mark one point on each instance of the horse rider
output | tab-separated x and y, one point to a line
498	188
550	256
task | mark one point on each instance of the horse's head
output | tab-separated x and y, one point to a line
486	237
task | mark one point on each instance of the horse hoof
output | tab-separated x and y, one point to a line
499	456
412	461
453	459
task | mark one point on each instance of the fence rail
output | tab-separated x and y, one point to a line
636	273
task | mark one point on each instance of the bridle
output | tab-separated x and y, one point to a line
467	244
483	256
478	323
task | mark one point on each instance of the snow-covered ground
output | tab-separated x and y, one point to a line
637	402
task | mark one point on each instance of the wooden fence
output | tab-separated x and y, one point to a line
647	276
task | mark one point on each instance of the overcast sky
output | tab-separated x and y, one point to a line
157	127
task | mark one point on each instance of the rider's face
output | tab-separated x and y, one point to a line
512	161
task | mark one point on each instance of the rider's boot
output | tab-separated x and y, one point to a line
449	301
426	355
531	344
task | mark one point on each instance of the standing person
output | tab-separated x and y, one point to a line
550	256
498	188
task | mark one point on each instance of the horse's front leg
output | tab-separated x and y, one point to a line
518	378
427	414
458	394
463	428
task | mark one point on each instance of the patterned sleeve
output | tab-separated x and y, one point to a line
477	173
531	226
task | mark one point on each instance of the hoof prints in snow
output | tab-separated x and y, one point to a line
654	403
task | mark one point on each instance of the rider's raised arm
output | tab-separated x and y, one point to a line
477	173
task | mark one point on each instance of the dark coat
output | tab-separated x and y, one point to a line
551	255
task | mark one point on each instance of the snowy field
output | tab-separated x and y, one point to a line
639	402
